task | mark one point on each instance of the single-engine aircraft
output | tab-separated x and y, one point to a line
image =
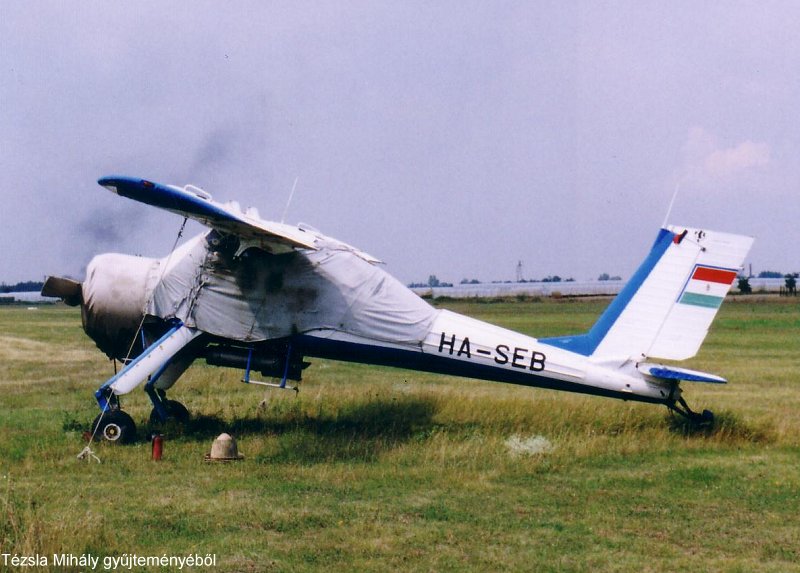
262	296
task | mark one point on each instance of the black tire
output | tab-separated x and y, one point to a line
114	427
176	412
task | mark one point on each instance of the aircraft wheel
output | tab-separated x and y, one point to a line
115	427
707	417
175	412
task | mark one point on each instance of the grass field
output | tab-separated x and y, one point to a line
375	469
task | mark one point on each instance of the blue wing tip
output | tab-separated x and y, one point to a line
110	179
126	186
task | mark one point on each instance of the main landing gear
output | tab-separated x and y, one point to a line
165	410
115	426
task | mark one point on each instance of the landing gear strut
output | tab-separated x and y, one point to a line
704	418
165	410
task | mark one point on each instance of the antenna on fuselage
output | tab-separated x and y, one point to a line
672	201
289	202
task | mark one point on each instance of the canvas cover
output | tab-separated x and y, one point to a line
261	296
114	294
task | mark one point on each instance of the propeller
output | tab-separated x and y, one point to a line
66	289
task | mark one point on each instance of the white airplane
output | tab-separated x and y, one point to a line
262	296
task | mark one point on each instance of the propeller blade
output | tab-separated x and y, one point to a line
67	289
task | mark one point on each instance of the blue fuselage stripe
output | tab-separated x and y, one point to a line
417	360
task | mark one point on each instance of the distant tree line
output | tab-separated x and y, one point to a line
549	279
743	284
433	282
790	280
27	286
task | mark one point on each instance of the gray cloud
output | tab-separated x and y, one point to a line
107	229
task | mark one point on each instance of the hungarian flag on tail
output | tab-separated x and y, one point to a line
707	286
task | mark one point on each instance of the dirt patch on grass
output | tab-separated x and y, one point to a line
15	349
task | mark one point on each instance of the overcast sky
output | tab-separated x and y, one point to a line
447	138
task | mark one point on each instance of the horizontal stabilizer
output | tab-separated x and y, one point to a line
675	373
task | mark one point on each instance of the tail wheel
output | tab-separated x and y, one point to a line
115	427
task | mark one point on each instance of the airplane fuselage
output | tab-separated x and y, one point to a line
295	299
463	346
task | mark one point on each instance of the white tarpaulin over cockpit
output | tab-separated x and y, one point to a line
260	296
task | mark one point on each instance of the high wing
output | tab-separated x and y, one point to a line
227	218
196	204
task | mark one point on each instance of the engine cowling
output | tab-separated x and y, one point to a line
115	292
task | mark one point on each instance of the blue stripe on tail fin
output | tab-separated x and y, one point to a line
586	344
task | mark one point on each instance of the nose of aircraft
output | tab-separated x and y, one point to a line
115	294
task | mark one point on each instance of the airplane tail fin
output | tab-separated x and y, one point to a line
667	307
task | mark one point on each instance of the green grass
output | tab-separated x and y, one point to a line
378	469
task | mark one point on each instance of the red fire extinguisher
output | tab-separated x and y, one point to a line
158	446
